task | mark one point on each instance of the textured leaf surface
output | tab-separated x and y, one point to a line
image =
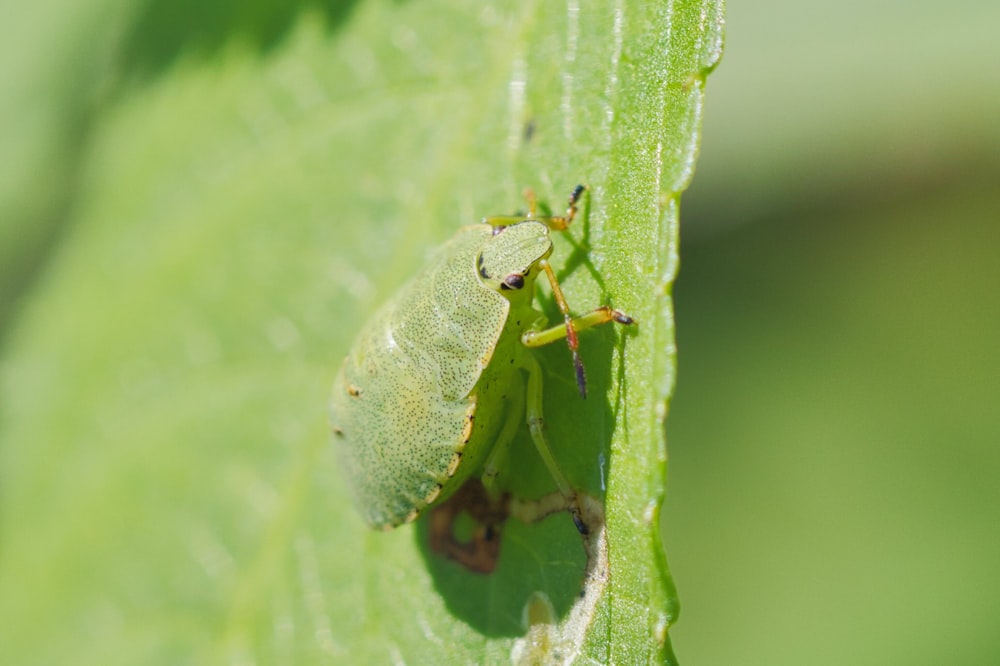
168	491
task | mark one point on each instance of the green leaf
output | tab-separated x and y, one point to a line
168	489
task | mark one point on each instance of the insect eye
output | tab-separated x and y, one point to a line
513	281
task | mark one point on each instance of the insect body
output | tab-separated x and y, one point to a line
439	379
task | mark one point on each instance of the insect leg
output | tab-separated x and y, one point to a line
553	222
557	222
536	424
571	325
495	461
596	317
504	220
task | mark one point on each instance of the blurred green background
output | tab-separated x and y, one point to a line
834	457
834	439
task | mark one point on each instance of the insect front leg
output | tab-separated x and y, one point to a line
596	317
553	222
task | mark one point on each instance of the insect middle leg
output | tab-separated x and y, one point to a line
571	326
536	424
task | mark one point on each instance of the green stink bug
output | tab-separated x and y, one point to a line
436	384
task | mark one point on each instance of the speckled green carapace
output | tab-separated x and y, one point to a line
439	379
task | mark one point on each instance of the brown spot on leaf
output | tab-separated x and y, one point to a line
482	551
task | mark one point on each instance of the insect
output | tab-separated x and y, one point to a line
439	379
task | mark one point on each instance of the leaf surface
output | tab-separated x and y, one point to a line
168	489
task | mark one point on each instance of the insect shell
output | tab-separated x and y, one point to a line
437	382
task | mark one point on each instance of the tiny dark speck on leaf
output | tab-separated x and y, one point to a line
529	130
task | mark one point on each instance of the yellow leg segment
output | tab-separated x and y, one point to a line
553	222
